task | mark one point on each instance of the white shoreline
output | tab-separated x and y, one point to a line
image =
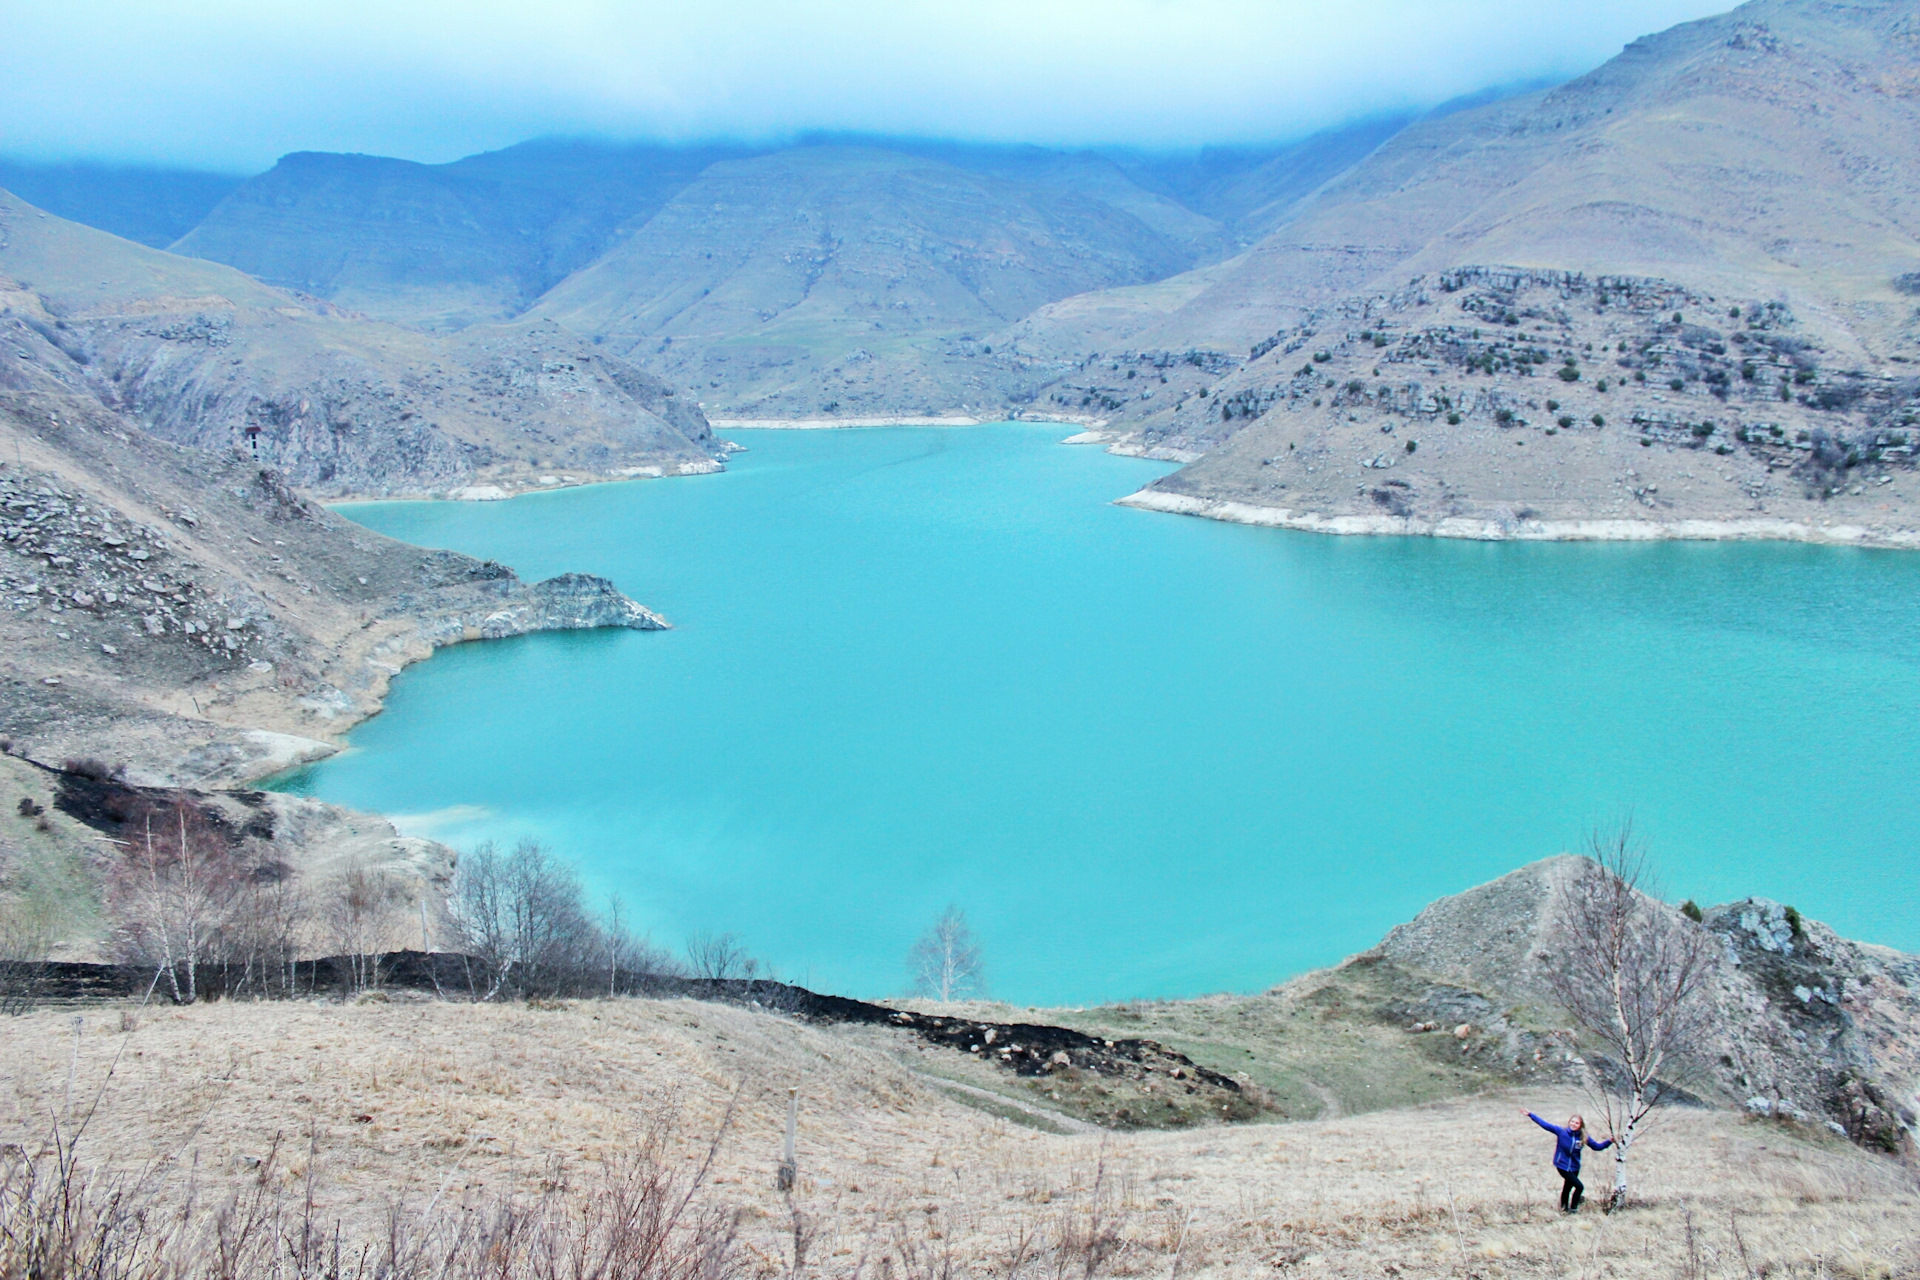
829	424
1483	529
896	420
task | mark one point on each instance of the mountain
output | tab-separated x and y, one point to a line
926	244
440	246
1716	235
831	278
202	354
152	206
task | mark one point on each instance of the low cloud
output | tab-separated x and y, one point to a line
233	85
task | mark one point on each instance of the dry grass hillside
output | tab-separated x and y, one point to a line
446	1108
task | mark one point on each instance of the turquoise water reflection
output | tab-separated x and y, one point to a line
1150	755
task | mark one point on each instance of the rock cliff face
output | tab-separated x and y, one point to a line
1808	1025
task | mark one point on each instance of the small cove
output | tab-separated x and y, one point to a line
1149	755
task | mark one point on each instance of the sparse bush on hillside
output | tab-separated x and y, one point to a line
523	924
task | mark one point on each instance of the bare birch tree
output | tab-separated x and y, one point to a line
946	960
360	909
174	895
1632	973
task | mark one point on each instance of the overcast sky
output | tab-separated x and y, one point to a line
232	84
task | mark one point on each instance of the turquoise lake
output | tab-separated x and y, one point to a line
1149	755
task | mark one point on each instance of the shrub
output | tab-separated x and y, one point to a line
1675	384
28	809
1355	386
1566	420
1601	386
1412	445
89	768
1552	405
1453	419
1599	421
1569	374
1691	909
1321	357
1702	429
1794	922
1504	417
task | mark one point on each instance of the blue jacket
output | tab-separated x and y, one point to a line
1566	1148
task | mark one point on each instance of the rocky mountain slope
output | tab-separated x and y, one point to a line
1807	1024
201	354
1529	404
182	620
1767	150
1719	222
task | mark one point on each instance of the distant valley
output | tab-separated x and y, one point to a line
1757	163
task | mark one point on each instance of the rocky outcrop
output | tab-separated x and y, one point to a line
1808	1025
1500	403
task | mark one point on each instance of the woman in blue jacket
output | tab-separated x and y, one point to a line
1567	1144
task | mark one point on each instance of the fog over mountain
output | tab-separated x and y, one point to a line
225	85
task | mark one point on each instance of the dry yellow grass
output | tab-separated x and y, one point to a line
417	1099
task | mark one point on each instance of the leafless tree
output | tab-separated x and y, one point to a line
1632	972
523	918
260	947
721	958
946	960
359	918
174	894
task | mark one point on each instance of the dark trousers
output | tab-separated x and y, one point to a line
1571	1189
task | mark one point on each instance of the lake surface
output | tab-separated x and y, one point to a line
1149	755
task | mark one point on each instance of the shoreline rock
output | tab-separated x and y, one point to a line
1505	529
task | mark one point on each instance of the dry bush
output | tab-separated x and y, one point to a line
60	1220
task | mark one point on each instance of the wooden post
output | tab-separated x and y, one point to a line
789	1170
